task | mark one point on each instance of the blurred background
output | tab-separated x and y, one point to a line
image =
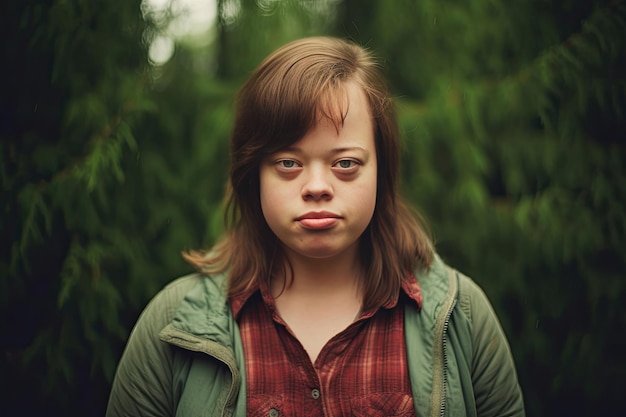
115	120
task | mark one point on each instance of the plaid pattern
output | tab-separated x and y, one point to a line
360	371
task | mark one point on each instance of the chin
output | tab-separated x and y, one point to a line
321	252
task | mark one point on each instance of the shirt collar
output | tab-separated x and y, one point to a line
237	301
409	287
412	289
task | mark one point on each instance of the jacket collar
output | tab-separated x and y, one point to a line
204	313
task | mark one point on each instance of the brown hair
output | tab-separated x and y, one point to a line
276	107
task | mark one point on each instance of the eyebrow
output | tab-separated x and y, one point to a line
295	149
351	148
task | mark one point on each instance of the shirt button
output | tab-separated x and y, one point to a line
273	412
315	394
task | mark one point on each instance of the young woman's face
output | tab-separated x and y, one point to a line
318	196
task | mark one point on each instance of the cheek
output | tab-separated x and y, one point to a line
266	199
272	200
370	206
371	188
366	198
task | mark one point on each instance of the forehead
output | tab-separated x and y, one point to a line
344	124
336	104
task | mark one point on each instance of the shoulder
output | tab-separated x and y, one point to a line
164	304
189	293
471	297
436	284
174	294
442	282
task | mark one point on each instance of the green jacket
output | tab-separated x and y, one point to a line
184	357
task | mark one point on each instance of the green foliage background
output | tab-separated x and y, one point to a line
513	115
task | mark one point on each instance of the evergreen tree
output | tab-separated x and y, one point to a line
74	88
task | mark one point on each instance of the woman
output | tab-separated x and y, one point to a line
324	297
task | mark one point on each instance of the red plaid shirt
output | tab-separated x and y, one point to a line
362	371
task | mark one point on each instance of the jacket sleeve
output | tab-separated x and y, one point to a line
143	383
496	388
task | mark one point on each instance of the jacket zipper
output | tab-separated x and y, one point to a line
444	393
440	359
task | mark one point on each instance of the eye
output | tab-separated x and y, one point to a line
346	164
287	164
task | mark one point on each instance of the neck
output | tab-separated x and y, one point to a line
315	277
320	299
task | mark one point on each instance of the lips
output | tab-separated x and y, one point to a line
319	220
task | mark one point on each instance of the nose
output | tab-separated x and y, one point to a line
317	184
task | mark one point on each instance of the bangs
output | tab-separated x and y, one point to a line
288	97
298	107
334	106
